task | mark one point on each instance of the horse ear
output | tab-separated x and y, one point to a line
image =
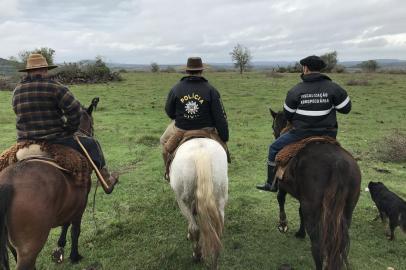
274	114
93	105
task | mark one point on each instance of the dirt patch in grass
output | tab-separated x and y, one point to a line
148	140
392	148
358	82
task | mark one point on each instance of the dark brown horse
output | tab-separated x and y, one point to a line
35	197
326	180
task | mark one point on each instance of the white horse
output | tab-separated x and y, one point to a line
199	179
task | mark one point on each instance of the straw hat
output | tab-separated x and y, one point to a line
36	61
194	64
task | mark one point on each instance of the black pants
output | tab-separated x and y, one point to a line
92	146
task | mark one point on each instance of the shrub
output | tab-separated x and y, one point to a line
220	69
274	74
369	66
392	148
96	72
359	82
330	59
282	69
154	67
339	69
6	84
48	53
296	68
393	71
170	69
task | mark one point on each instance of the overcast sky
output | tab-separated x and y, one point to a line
145	31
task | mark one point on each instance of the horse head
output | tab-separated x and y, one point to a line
279	122
93	105
86	119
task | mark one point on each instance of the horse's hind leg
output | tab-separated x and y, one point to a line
13	250
28	250
301	233
75	233
58	253
283	222
310	219
193	229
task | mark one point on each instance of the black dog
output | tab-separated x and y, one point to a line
389	206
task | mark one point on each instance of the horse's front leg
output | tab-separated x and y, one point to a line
283	222
58	253
75	233
301	233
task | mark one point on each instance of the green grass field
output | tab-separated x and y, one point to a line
140	226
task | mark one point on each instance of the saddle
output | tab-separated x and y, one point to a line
62	157
182	136
291	150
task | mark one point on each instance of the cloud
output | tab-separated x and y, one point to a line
142	31
9	8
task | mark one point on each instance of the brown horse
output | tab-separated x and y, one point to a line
326	180
35	197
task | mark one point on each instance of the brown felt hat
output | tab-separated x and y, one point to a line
36	61
194	64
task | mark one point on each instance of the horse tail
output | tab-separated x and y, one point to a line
208	216
335	239
6	195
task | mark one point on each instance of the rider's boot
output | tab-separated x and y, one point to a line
110	178
165	156
270	185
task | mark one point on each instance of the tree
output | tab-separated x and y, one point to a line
48	53
330	59
154	67
241	57
369	66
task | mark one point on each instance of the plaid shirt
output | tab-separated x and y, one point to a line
45	109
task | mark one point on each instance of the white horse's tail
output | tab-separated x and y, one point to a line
208	216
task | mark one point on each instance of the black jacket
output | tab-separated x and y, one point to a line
312	104
194	104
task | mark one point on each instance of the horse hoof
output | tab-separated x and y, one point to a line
283	228
196	258
188	236
58	255
285	267
75	258
300	235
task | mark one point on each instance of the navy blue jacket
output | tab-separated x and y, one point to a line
194	104
312	104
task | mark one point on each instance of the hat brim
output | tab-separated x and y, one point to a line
33	68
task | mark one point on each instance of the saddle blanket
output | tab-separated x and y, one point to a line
59	156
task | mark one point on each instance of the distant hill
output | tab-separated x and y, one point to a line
7	67
383	63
